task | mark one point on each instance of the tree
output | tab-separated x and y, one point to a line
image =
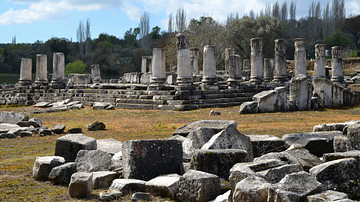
180	20
276	11
337	39
13	40
80	37
352	26
171	24
338	13
87	37
77	67
284	14
144	29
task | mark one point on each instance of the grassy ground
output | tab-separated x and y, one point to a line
17	156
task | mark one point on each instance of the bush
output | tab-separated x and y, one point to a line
75	67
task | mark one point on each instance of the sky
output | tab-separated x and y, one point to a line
33	20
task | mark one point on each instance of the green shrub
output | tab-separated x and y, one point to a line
75	67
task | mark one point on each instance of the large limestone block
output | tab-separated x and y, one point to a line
274	175
62	174
146	159
254	189
12	117
266	101
127	186
166	186
341	175
281	99
68	146
342	144
198	186
195	140
102	179
263	144
217	161
333	126
323	88
329	195
342	155
301	92
230	138
43	165
223	197
80	185
249	108
294	187
215	125
93	160
353	134
110	146
116	162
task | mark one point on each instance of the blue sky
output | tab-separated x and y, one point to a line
31	20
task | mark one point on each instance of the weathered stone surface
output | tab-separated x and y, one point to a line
58	109
274	175
12	117
42	104
45	132
300	92
333	126
146	159
68	146
328	195
317	143
43	165
294	187
217	161
297	156
127	186
102	179
116	162
263	144
215	125
230	138
353	134
266	101
342	155
195	140
110	195
165	186
140	196
179	138
7	135
75	130
281	99
342	144
100	105
249	108
59	128
92	160
80	185
254	189
110	146
97	125
223	197
214	113
76	106
10	128
62	174
198	186
36	123
341	175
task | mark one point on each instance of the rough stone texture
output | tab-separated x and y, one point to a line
80	185
281	99
274	175
223	197
68	146
198	186
45	132
100	105
179	138
110	146
92	160
342	144
217	161
146	159
42	104
97	125
127	186
102	179
301	92
323	89
266	101
215	125
297	156
341	155
195	140
43	165
59	128
294	187
116	162
214	113
110	195
341	175
333	126
12	117
317	143
62	174
263	144
353	134
140	196
75	130
166	186
230	138
37	123
249	108
254	189
10	128
328	195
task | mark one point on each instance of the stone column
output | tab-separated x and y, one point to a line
57	80
235	66
158	74
280	71
256	60
184	69
246	69
336	65
41	70
300	56
143	64
95	73
25	72
209	80
268	69
228	52
194	54
319	67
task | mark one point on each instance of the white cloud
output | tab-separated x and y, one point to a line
352	8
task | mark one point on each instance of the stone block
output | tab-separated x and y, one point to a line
341	155
12	117
301	92
62	174
110	146
328	195
127	186
146	159
80	185
102	179
68	146
195	140
249	108
166	186
215	125
43	165
263	144
252	188
266	101
59	128
92	160
97	125
281	98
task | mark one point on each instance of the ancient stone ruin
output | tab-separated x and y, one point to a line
257	84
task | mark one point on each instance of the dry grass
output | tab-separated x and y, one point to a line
18	155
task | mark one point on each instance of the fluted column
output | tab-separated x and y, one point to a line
95	73
209	80
57	80
194	54
300	56
158	72
25	72
228	52
280	71
319	67
268	69
256	60
235	66
184	69
41	70
336	65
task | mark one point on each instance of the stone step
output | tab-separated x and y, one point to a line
140	101
135	106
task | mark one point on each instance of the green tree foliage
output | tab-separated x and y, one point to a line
78	67
337	39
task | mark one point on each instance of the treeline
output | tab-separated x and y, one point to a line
324	24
